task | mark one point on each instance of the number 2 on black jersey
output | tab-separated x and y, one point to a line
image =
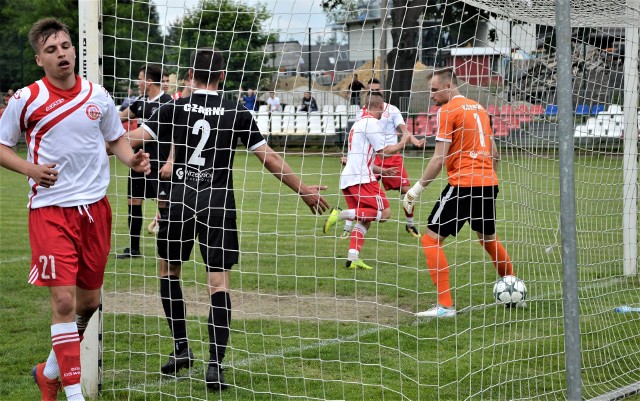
204	126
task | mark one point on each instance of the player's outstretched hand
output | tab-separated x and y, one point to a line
419	143
411	197
343	160
44	175
140	162
311	196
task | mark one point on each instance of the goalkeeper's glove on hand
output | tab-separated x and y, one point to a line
411	197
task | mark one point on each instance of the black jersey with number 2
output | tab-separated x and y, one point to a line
204	129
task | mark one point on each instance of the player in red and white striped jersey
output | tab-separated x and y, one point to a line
366	201
390	168
67	121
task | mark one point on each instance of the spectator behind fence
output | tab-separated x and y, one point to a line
355	87
308	103
249	100
274	102
128	100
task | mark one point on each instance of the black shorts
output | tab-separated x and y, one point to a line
217	237
141	186
457	205
164	187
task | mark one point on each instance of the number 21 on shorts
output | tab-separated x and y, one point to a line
48	263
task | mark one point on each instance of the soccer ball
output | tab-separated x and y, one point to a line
510	290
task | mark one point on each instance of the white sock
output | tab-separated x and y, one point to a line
347	225
353	255
349	214
74	392
361	228
410	221
51	368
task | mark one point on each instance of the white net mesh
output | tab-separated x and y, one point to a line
305	327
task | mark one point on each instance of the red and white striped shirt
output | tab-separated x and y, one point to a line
68	128
365	139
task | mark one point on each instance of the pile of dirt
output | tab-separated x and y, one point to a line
367	71
341	88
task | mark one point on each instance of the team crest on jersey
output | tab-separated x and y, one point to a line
93	112
17	94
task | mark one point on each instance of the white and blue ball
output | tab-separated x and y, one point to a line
510	290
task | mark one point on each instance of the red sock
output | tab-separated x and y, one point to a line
367	214
499	257
438	269
66	345
357	237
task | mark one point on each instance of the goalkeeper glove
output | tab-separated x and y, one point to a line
411	196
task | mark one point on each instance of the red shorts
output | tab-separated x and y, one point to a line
366	195
401	179
70	245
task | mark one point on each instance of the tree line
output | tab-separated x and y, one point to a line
133	36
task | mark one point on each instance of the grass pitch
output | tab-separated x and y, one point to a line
305	327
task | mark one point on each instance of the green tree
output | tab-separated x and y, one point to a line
131	38
17	59
232	27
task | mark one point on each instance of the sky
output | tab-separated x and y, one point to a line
291	16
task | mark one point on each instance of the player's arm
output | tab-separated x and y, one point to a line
137	137
495	154
402	129
167	169
393	149
273	162
138	162
126	114
43	174
434	167
436	164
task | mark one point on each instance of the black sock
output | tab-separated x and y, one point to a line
219	321
175	310
135	226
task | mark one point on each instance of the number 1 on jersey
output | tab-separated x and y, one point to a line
204	126
480	130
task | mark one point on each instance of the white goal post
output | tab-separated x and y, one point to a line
89	65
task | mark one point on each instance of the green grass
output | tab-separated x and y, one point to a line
312	329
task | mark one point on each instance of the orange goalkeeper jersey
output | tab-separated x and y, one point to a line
465	124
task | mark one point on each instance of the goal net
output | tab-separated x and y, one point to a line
306	327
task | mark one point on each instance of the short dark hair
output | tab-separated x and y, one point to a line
445	73
373	81
152	73
43	30
207	66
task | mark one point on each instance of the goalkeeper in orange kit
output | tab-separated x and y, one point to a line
465	145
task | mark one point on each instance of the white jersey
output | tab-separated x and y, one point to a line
68	128
390	120
365	139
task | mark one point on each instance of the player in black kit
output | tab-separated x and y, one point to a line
140	187
204	130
